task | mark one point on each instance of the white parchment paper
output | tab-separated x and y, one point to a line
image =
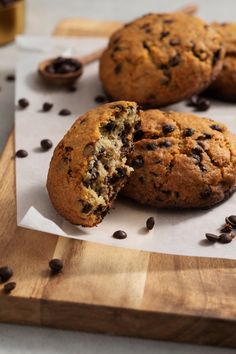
179	233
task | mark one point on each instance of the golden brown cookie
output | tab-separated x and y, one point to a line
224	87
160	59
88	166
181	161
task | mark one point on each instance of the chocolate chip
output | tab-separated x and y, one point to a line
150	223
205	136
151	146
145	45
164	34
110	127
55	265
100	99
138	162
118	68
10	77
47	107
21	153
227	228
188	132
64	112
87	208
120	173
197	158
206	193
120	235
138	135
201	144
174	61
216	57
141	179
9	287
6	273
216	127
225	238
202	105
165	144
46	144
68	149
231	220
212	237
168	128
168	21
197	151
174	41
23	103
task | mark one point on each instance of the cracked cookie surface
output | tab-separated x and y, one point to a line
160	59
181	161
224	87
89	165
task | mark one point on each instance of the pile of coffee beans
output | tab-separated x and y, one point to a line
62	65
227	234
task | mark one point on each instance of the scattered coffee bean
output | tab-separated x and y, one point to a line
56	265
168	128
212	237
21	153
64	112
225	238
188	132
62	65
232	220
5	273
150	223
10	77
46	144
202	105
47	107
120	235
9	287
100	99
226	228
216	127
23	103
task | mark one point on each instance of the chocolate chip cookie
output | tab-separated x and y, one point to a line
181	161
160	59
224	87
89	165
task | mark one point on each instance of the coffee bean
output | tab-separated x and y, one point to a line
202	105
62	65
64	112
23	103
165	144
46	144
231	220
192	102
6	273
168	128
120	235
150	223
47	107
10	77
225	238
21	153
9	287
227	228
212	237
174	61
100	99
216	127
188	132
72	88
56	265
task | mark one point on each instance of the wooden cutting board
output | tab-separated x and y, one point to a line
106	289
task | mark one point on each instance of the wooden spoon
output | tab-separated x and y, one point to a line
68	79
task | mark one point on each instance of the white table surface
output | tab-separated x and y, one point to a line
42	16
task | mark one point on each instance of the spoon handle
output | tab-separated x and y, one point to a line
189	9
90	58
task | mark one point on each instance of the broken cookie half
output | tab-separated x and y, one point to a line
89	165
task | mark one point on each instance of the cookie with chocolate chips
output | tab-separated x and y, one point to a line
89	165
224	87
181	161
161	59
